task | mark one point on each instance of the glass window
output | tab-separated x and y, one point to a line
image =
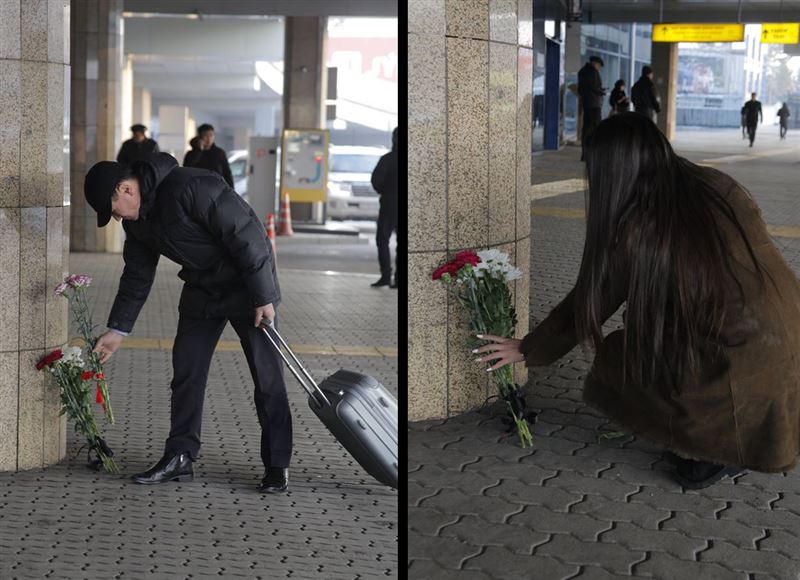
239	168
352	163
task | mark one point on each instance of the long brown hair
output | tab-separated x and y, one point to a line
660	214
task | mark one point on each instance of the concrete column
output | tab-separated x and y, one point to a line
664	60
96	131
34	226
173	130
304	82
142	107
469	162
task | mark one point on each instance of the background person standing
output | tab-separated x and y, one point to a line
591	93
643	95
783	115
384	181
753	115
137	147
619	101
210	156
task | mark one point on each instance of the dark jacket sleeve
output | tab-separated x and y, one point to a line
225	167
652	97
123	156
236	227
134	285
379	175
556	334
597	83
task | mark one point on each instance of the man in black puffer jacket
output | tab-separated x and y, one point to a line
195	219
208	155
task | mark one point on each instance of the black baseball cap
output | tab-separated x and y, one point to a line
138	128
99	186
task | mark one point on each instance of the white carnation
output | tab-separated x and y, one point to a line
72	354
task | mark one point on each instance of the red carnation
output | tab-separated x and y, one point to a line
86	375
100	376
49	359
441	270
466	257
98	396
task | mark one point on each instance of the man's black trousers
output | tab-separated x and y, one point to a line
191	357
751	132
387	223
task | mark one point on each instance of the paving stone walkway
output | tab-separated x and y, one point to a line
67	522
575	506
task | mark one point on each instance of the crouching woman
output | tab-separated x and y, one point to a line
707	364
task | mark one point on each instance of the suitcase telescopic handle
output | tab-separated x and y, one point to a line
305	379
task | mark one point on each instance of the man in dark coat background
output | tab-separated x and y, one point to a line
752	116
137	147
210	156
590	92
195	219
384	181
643	95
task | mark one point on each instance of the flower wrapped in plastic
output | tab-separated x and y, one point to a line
480	282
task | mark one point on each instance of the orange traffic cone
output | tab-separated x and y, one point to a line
286	217
270	227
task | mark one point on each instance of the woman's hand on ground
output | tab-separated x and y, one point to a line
503	350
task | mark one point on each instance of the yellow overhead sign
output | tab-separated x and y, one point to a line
698	32
788	33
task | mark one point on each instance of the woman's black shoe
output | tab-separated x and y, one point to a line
383	281
171	467
692	474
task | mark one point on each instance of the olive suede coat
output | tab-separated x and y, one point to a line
745	409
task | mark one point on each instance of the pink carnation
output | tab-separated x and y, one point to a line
78	280
59	291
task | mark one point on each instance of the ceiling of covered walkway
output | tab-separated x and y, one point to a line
651	11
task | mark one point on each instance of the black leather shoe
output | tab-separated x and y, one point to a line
383	281
692	474
171	467
276	480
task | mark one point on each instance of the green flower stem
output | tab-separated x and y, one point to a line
74	398
80	307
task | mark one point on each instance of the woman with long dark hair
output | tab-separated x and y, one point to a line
708	363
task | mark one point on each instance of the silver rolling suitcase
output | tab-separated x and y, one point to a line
356	409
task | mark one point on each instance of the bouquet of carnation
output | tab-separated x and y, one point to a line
480	282
74	376
66	366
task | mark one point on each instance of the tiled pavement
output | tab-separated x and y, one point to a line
573	506
67	522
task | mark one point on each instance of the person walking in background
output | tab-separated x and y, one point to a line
744	124
753	116
705	364
210	156
384	181
619	101
783	115
191	216
643	95
591	93
192	156
137	147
